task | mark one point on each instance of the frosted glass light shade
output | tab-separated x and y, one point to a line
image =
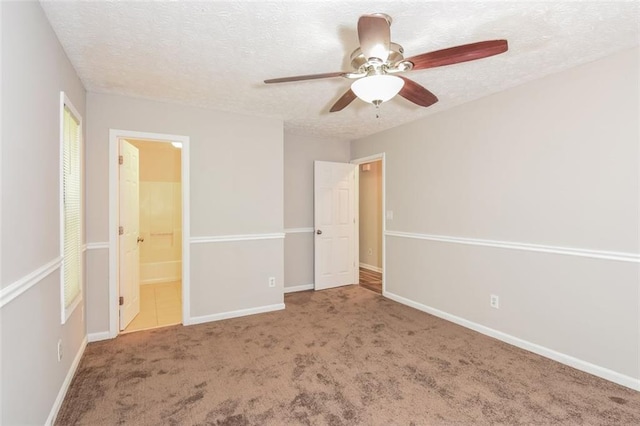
377	87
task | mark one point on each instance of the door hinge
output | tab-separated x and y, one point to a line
120	230
120	159
121	300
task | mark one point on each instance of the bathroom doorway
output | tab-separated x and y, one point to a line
160	274
158	242
160	224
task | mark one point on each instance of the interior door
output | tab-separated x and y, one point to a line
129	220
334	220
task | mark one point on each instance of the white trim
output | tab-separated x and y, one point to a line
233	314
98	246
368	159
579	364
72	307
298	230
596	254
23	284
114	136
375	157
240	237
65	385
296	288
371	267
96	337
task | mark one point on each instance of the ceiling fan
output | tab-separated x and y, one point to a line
378	61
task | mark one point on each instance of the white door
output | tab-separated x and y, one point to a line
334	220
129	255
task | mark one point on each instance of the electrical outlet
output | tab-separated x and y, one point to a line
494	301
272	281
389	214
370	252
59	350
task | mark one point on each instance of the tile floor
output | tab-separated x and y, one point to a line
160	305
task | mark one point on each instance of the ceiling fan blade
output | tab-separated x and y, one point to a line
374	34
344	100
417	94
305	77
454	55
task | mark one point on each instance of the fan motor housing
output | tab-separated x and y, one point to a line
395	55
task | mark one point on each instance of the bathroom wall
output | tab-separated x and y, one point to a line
370	215
160	212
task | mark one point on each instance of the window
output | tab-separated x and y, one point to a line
71	207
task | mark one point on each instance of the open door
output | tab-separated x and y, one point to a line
129	230
335	227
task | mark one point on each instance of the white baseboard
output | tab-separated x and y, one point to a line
303	287
371	267
96	337
233	314
579	364
65	385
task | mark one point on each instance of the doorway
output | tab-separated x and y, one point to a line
371	222
149	250
370	225
160	236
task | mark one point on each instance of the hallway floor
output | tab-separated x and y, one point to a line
160	306
371	280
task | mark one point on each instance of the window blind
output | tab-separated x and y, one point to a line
71	209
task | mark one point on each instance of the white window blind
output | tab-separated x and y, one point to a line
71	212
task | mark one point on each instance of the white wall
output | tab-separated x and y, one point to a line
34	71
299	154
553	162
236	182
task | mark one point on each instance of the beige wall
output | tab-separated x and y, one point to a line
370	215
160	195
34	71
553	162
159	162
227	154
299	154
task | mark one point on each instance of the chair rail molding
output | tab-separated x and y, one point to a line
595	254
15	289
237	237
298	230
98	245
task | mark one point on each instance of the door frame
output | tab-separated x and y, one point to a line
375	157
114	198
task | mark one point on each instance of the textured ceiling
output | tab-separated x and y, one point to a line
216	54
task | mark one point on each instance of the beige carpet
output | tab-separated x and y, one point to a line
336	357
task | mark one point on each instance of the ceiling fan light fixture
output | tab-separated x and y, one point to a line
376	89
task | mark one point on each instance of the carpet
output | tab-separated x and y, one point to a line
343	356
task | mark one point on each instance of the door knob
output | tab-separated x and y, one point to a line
319	232
140	239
